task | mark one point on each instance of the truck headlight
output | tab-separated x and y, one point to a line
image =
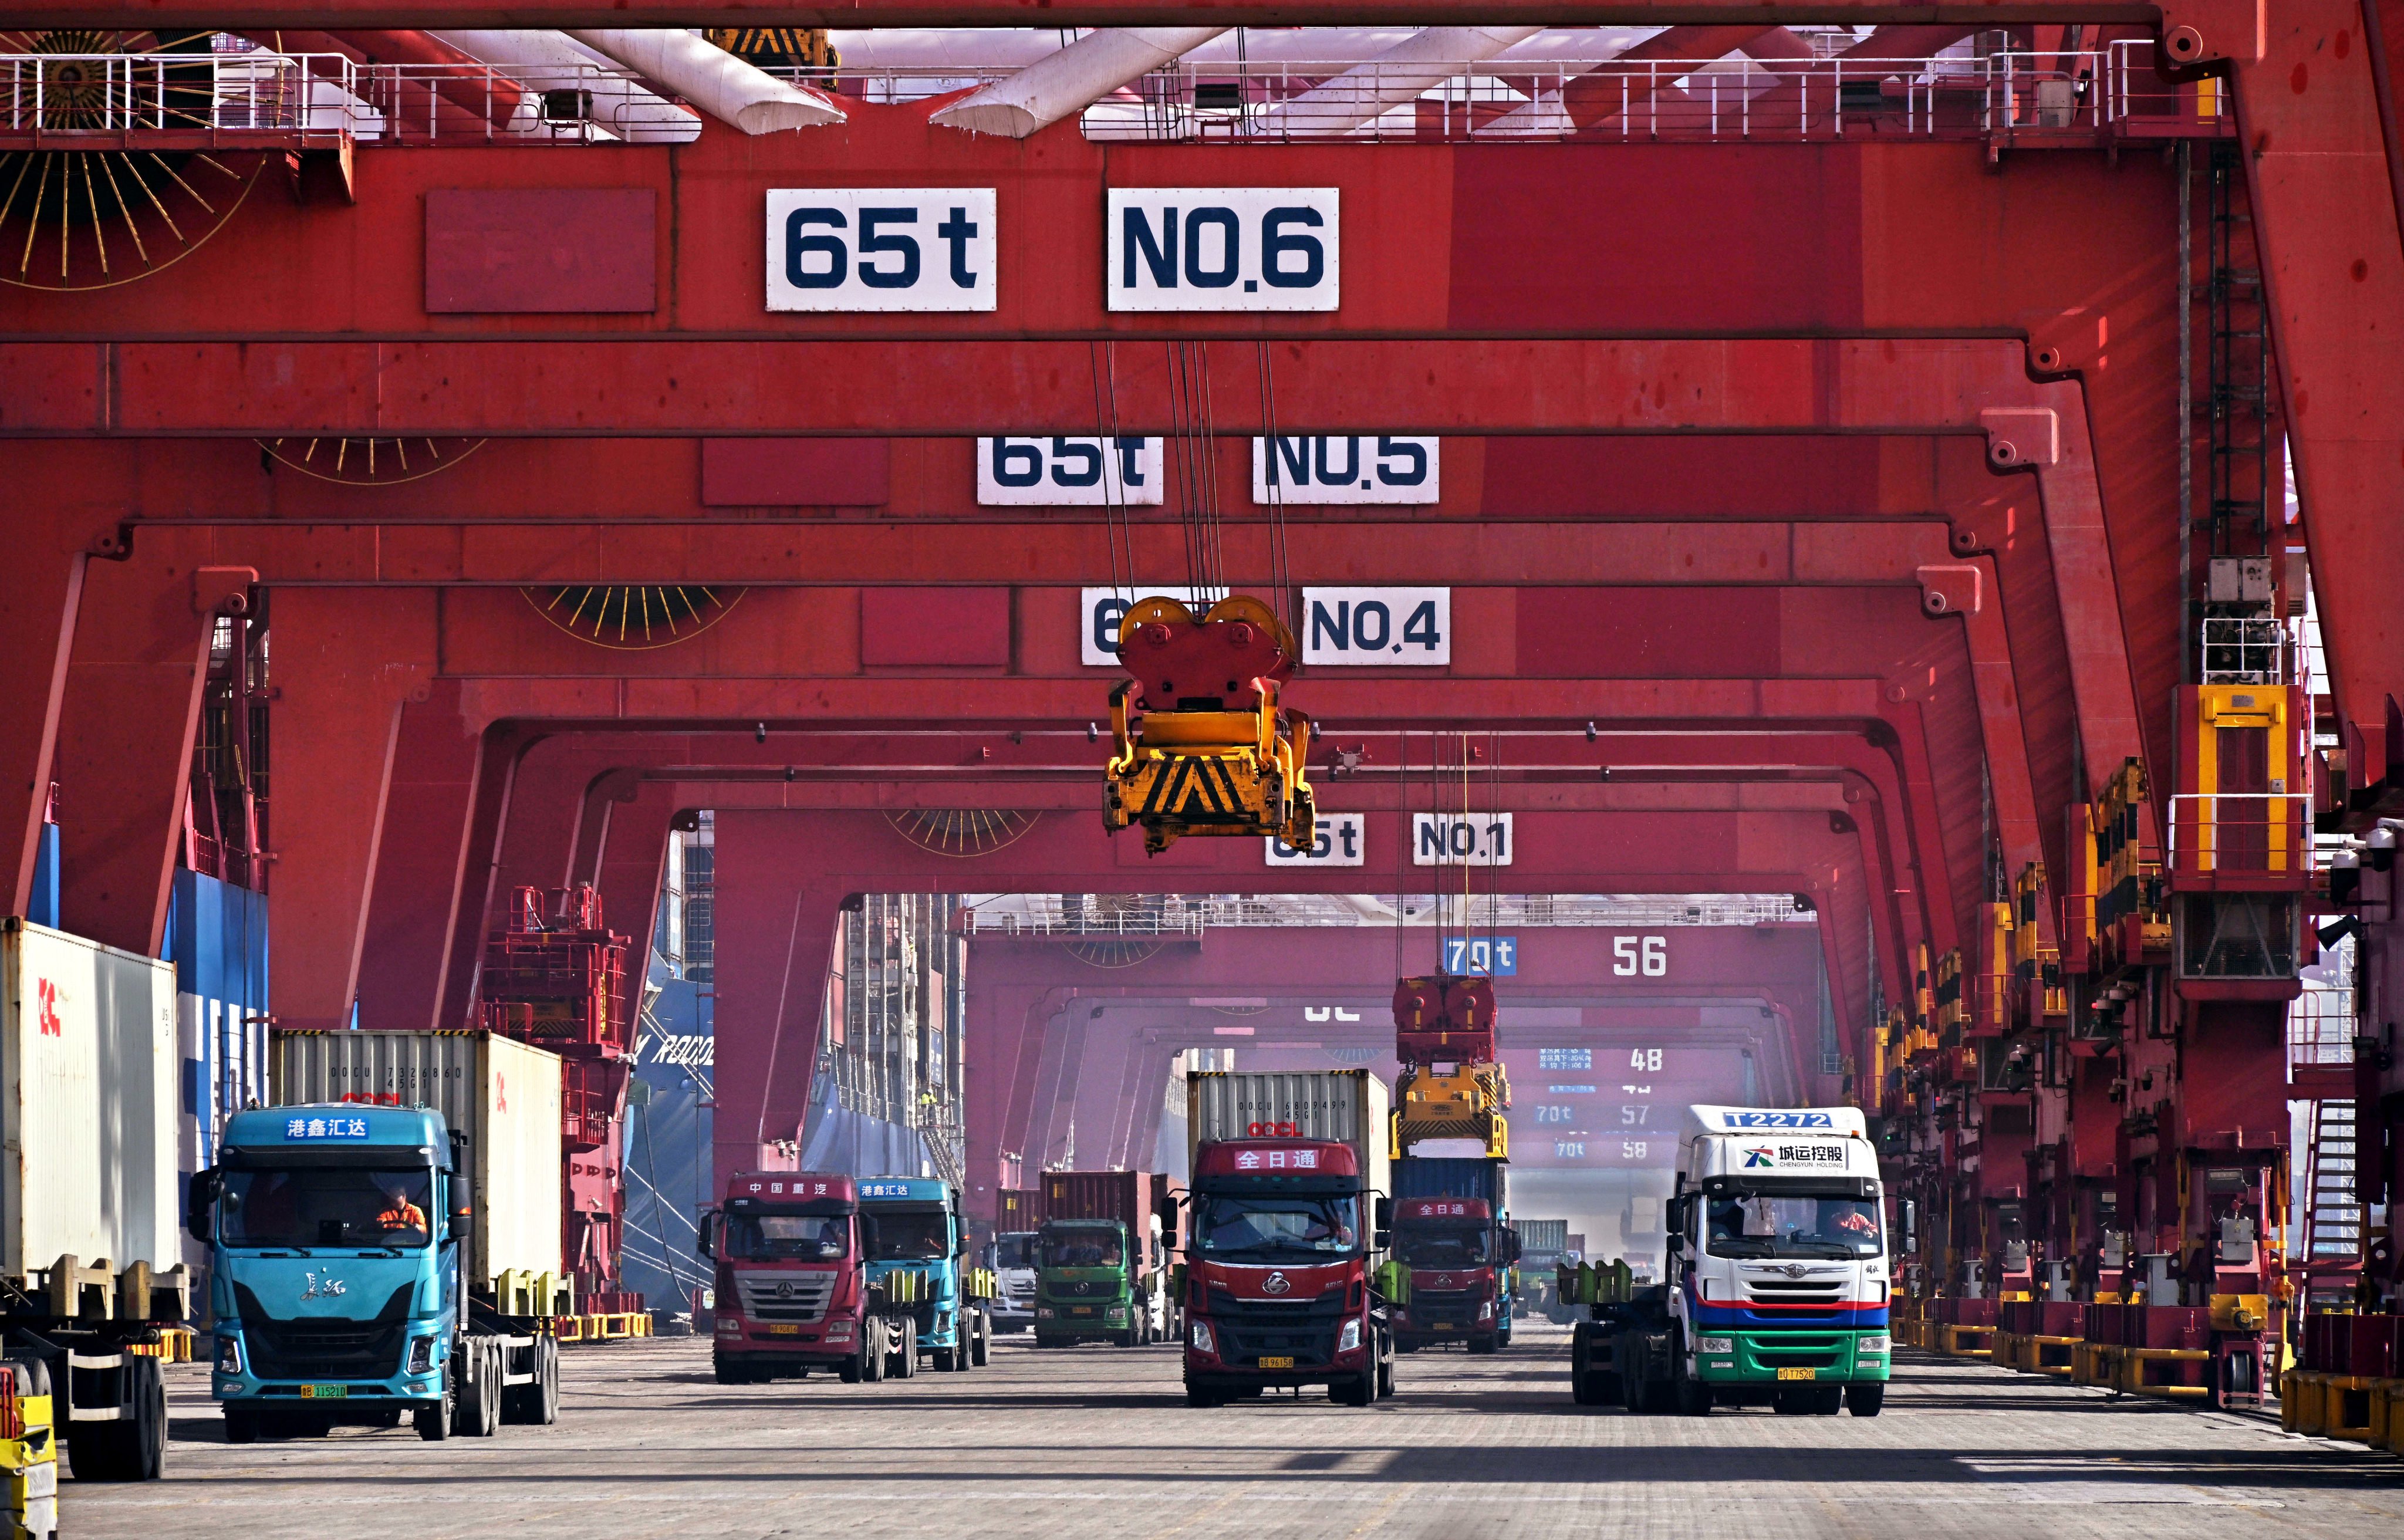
728	1328
1043	1312
1486	1310
838	1331
229	1355
1352	1337
1716	1344
1202	1340
1118	1312
1876	1344
421	1355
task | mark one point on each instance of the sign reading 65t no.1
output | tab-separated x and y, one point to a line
881	248
1222	248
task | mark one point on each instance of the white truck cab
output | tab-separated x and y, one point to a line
1778	1261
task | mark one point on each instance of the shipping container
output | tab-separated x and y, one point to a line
1022	1208
504	1095
1428	1176
1123	1195
1542	1242
88	1052
1346	1106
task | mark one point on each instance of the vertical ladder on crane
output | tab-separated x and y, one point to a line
2333	1216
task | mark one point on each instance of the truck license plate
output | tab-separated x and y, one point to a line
324	1392
1081	1309
1441	1326
1276	1363
784	1331
1798	1374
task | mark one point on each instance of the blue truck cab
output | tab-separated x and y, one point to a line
338	1280
915	1252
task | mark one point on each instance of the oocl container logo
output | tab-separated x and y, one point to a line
1273	1131
47	1011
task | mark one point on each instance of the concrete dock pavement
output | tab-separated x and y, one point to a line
1098	1441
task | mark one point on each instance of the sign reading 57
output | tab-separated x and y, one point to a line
881	248
1222	248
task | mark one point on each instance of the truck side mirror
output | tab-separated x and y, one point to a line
1382	1241
463	1223
868	1233
704	1237
1510	1245
1385	1211
202	1221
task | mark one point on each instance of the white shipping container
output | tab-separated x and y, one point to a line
87	1056
502	1094
1344	1105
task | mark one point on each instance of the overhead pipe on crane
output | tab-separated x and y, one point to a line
1070	80
551	61
1394	78
728	89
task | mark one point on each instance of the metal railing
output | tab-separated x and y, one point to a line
1181	915
2232	835
2321	1028
330	93
1734	99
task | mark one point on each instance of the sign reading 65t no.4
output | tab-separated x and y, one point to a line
881	248
1222	248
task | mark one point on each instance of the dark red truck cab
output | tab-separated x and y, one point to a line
1281	1245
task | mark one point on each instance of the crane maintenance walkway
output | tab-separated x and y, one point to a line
1099	1442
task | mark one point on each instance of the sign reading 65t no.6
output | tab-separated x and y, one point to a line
1222	248
881	248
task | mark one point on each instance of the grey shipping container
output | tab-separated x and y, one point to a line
1346	1106
1542	1240
501	1093
1434	1176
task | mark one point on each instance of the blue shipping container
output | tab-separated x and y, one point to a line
1418	1176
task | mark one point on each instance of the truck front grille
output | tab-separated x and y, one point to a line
784	1296
1304	1330
322	1348
1458	1305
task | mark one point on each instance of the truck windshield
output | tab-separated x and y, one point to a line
1445	1248
1233	1228
1082	1248
302	1205
783	1238
1014	1251
1793	1225
912	1237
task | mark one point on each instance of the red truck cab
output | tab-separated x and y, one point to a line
792	1291
1281	1243
1454	1256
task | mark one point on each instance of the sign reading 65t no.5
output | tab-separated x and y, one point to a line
1222	248
881	248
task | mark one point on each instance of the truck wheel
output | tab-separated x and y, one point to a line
905	1362
1199	1394
241	1425
847	1372
1695	1399
434	1423
1865	1400
1482	1344
547	1365
983	1350
1386	1378
1359	1391
134	1447
873	1352
480	1400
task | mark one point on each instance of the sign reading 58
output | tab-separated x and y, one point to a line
881	249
